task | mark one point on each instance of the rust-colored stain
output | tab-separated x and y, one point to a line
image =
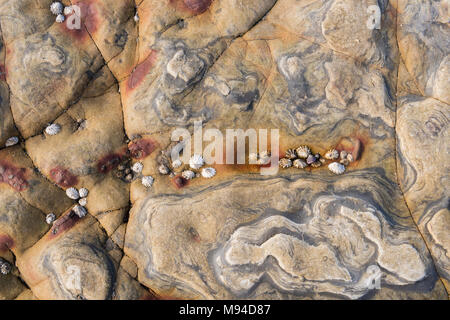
352	145
193	7
64	223
141	70
142	148
180	182
6	243
2	72
89	20
109	162
63	177
13	176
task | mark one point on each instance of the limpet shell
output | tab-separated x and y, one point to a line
196	161
53	129
73	193
332	154
50	218
336	168
56	8
82	202
80	211
137	167
303	152
83	192
147	181
177	163
291	154
60	18
12	141
300	164
285	163
188	174
208	173
163	169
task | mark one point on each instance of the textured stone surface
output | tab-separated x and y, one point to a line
137	70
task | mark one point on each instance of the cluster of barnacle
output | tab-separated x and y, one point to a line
196	162
79	209
129	172
303	156
5	267
58	9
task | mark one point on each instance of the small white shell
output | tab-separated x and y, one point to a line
332	154
147	181
252	158
336	168
137	167
5	267
163	169
82	202
80	211
177	163
350	157
264	158
300	164
136	17
208	173
188	174
285	163
344	154
12	142
68	10
303	152
56	8
53	129
196	161
60	18
73	193
83	192
50	218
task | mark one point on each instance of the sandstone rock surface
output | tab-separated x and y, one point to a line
327	74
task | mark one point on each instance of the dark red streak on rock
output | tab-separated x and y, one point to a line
64	223
180	182
197	6
63	177
13	176
142	148
109	162
6	243
2	73
141	70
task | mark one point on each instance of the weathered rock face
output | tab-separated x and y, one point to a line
327	74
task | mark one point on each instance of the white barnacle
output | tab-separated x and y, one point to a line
68	10
208	173
60	18
50	218
196	161
299	164
56	8
73	193
163	169
80	211
147	181
177	163
82	202
344	154
53	129
83	192
5	267
264	158
303	152
285	163
332	154
137	167
136	17
12	142
336	168
188	174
